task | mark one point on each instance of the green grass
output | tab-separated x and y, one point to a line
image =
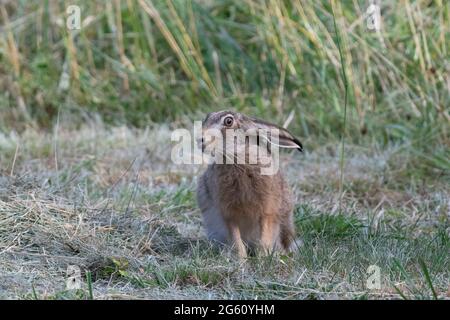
137	63
85	171
134	59
129	220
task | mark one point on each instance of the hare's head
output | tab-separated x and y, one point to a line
244	131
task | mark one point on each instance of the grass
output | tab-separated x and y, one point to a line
121	211
85	121
133	59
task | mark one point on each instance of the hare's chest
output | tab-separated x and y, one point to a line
243	195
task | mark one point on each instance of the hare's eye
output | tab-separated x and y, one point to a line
228	121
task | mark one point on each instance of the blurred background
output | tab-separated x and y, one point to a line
138	62
91	90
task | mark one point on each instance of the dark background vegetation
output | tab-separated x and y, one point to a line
135	62
85	119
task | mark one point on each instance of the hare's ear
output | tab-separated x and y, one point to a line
285	138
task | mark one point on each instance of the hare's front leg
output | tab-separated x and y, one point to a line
236	240
269	232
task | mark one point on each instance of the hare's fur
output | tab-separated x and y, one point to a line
243	208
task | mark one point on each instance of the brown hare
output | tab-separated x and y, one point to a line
240	206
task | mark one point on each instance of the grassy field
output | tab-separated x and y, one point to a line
86	115
116	206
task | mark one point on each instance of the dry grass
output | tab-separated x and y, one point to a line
111	202
137	61
108	200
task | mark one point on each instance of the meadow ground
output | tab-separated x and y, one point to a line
88	102
110	201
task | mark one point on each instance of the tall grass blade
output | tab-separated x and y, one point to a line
89	284
344	78
428	278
